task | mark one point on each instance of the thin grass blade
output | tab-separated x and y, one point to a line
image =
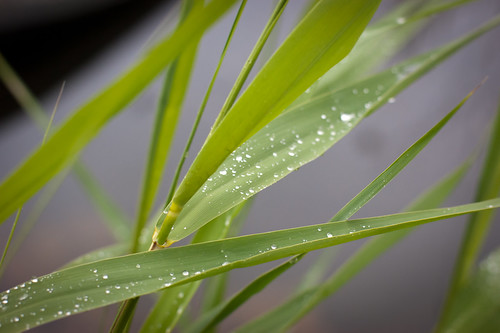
250	62
98	284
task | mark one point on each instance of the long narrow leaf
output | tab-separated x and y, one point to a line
97	284
320	40
301	135
80	128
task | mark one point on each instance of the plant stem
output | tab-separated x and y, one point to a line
165	223
124	316
250	62
175	84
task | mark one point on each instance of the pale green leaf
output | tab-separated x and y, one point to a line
98	284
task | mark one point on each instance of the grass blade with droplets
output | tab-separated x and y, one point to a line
97	284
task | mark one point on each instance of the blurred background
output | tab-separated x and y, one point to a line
88	43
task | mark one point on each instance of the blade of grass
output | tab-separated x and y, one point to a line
290	312
318	42
169	108
478	225
210	319
111	214
98	284
83	125
250	62
302	135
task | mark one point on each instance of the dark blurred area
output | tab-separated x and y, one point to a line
44	40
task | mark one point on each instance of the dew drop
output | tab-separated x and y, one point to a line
392	100
274	247
329	235
223	172
105	277
138	266
185	273
346	117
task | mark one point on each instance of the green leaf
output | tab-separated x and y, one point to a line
290	312
210	319
82	126
97	284
478	225
477	304
301	135
320	40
